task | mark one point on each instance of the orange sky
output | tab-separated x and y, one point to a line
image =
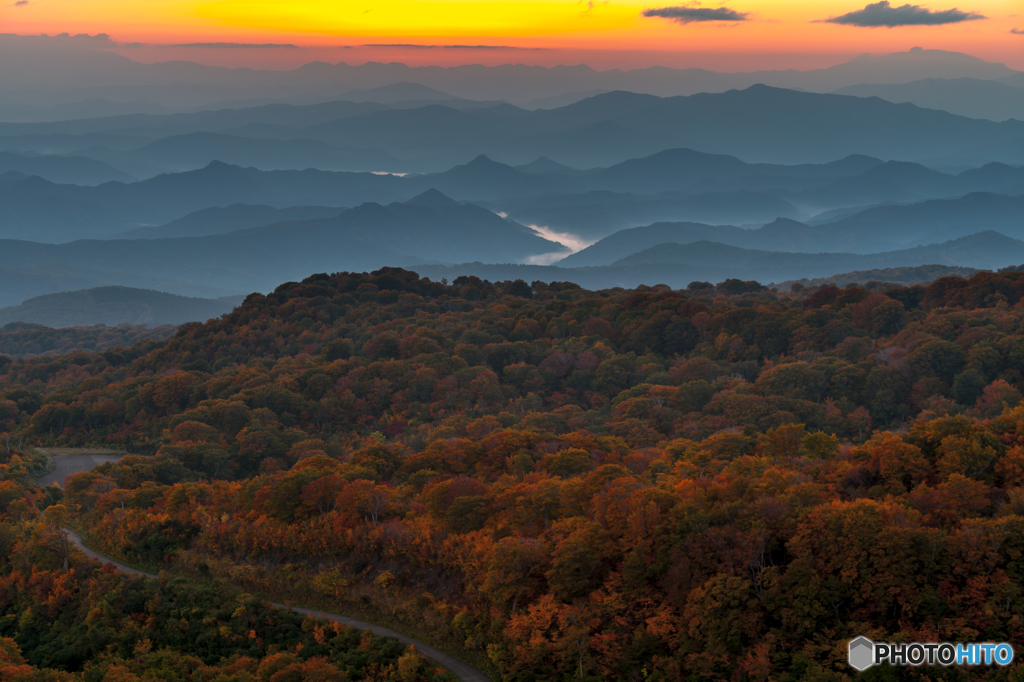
604	33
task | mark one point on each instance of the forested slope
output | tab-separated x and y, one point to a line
719	483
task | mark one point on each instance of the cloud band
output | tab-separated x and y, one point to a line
686	15
882	14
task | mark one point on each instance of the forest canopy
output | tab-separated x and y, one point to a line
725	482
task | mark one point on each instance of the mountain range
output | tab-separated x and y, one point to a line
675	184
46	72
971	97
883	228
679	264
605	178
428	227
758	124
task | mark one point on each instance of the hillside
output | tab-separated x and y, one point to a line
610	466
18	283
116	305
922	274
217	220
26	340
449	341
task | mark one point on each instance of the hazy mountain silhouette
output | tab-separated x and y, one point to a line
396	92
19	283
218	220
42	211
196	150
542	165
86	108
982	250
638	239
970	97
151	126
995	177
48	69
759	124
721	171
74	170
594	215
430	227
891	181
704	188
38	210
939	219
874	230
715	262
485	179
921	274
770	124
116	305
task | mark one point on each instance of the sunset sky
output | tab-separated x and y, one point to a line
737	35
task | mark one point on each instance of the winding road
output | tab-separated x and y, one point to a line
461	669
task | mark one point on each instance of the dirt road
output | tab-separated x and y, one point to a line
69	461
461	669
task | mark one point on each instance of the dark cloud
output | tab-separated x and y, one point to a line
686	15
1018	31
21	3
882	13
414	46
249	46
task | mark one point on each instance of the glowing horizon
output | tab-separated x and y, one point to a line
737	35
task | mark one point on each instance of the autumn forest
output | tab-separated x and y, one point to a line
726	482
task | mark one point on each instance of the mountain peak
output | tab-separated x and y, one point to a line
543	164
433	199
218	166
483	160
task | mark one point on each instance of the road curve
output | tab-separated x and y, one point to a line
459	668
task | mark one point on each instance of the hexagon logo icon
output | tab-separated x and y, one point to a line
862	653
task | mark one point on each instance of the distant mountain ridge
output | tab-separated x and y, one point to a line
880	229
116	305
733	191
21	282
982	250
921	274
190	151
429	227
970	97
715	262
71	170
217	220
41	65
759	123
